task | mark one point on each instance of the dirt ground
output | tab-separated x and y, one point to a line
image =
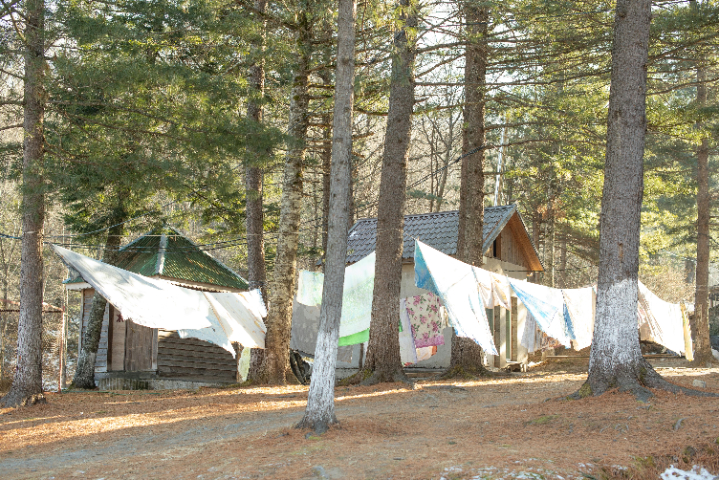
514	427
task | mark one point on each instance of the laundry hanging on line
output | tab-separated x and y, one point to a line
494	289
407	347
221	318
303	337
425	315
456	285
531	335
425	353
580	304
356	295
664	319
547	306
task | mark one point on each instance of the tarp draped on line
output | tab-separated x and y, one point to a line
146	301
356	296
455	283
236	319
218	318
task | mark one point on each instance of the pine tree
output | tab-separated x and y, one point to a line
383	359
616	359
27	383
275	365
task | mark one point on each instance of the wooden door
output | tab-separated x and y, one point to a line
139	347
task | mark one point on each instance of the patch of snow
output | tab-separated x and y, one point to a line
696	473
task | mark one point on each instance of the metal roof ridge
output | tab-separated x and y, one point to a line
160	265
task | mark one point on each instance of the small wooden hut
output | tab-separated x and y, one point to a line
508	250
132	356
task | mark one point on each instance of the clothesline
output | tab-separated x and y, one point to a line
564	314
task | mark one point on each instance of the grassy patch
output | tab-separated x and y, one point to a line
543	420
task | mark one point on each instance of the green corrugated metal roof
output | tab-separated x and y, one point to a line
168	253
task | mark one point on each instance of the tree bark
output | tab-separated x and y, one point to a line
254	184
563	260
700	320
552	244
27	383
383	358
326	157
616	359
3	318
85	371
275	367
320	411
466	357
536	230
257	274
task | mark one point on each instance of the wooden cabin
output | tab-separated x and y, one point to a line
508	250
132	356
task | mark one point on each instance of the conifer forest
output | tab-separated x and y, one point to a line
313	239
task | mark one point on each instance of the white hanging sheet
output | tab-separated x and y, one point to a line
531	336
407	348
218	318
546	305
309	288
664	320
493	288
581	303
240	315
356	294
146	301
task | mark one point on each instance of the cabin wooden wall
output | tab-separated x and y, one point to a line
189	357
101	359
512	251
116	351
136	348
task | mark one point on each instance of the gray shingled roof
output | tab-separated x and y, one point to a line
438	230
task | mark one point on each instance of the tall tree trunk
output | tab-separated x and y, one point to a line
466	354
253	172
275	367
85	371
536	230
320	411
27	383
383	357
254	185
3	316
552	244
700	324
615	359
326	157
563	260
